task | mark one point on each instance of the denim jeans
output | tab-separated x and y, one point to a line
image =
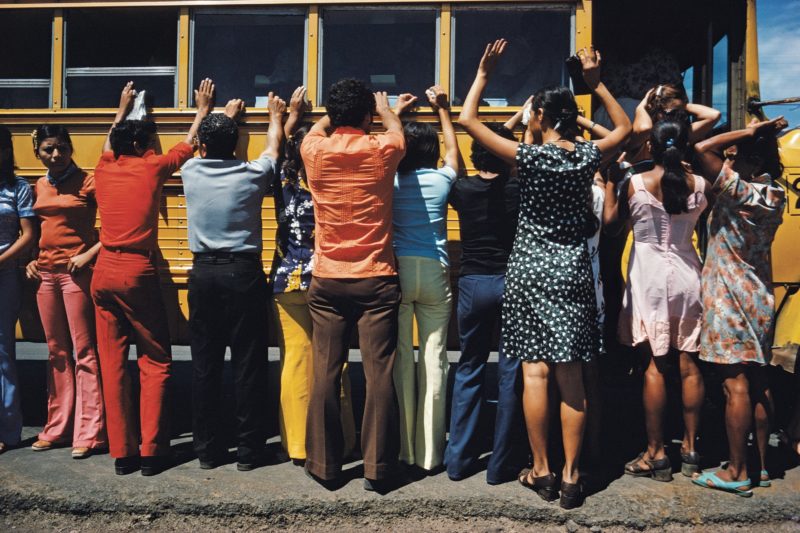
11	413
479	305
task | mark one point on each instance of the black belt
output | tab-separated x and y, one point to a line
226	257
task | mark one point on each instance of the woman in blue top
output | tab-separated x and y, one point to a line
17	233
420	243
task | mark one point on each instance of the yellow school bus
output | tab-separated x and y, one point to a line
66	62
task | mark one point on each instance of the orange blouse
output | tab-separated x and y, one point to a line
351	176
68	212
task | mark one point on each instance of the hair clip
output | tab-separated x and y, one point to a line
659	90
669	143
35	137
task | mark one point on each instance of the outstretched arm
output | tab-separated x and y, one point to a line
503	148
125	103
277	108
710	151
590	59
298	106
204	100
441	104
596	130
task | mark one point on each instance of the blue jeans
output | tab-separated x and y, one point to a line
479	305
11	414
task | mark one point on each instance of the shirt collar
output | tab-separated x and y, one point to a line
349	130
71	169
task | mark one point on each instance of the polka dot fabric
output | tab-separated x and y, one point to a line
549	304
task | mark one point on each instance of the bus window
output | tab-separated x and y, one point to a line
107	47
688	82
393	50
719	91
25	41
539	42
248	53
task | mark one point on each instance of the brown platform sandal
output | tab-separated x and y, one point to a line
660	469
544	486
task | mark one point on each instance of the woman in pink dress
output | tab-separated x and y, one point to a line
662	307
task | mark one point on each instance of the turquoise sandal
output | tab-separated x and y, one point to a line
711	480
763	480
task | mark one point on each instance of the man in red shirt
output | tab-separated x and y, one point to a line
127	294
354	284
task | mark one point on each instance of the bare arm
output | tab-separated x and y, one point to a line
77	262
277	108
391	122
322	126
596	130
710	151
642	123
514	121
204	99
503	148
125	103
590	60
705	120
297	108
615	206
26	239
441	104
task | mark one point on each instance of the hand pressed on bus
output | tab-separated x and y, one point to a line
234	108
298	106
277	108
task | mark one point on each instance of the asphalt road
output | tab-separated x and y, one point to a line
35	487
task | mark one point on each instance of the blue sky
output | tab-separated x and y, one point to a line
779	55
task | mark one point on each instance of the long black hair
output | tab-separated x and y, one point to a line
762	152
483	159
422	147
559	106
292	162
7	167
669	141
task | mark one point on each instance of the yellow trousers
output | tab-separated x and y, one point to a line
295	327
422	386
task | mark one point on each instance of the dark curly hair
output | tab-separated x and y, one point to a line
761	151
483	159
349	100
219	133
128	132
422	147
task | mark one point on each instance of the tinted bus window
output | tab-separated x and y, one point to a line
719	91
25	41
249	53
392	50
107	47
539	42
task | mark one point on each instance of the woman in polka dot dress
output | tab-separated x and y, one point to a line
549	305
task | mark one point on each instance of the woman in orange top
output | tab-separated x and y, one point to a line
66	207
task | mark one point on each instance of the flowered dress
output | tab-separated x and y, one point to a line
294	251
549	302
738	303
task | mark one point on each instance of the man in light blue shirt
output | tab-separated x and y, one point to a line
228	292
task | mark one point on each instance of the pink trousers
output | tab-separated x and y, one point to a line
75	397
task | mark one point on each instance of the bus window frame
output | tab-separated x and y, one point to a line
285	10
36	83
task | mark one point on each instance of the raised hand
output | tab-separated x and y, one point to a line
491	56
297	103
775	125
437	98
381	102
234	108
127	97
204	96
275	105
404	102
590	60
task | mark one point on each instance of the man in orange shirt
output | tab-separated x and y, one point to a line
126	288
351	175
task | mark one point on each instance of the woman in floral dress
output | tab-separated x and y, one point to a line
738	303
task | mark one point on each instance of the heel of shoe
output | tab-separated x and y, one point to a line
663	474
689	470
571	495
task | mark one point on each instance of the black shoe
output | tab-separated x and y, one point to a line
210	463
571	495
154	465
127	465
381	486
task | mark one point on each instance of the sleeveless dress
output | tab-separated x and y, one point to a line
662	303
738	301
549	303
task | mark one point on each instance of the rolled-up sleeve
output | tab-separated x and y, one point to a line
174	159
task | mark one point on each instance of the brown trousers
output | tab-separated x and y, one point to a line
338	305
